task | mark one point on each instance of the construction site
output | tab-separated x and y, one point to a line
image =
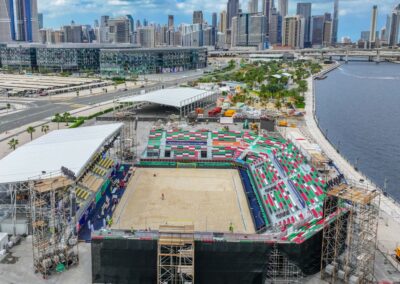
205	201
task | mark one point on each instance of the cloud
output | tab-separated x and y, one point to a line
57	8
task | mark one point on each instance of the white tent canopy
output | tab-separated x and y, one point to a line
71	148
176	97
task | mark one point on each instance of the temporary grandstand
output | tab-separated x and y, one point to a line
54	179
184	99
284	195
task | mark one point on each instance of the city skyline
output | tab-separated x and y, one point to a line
354	15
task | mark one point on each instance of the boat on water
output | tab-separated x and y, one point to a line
322	77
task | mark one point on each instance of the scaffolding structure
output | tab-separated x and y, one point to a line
281	270
53	215
349	242
175	259
127	141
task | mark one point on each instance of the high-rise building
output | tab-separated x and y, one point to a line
317	31
232	10
40	20
283	7
365	35
394	26
119	30
304	10
146	36
327	36
335	22
73	33
248	30
275	28
214	20
197	17
253	6
19	20
171	22
266	11
293	31
374	16
222	22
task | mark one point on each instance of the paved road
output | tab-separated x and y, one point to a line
40	110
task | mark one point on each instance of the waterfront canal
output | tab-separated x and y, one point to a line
358	106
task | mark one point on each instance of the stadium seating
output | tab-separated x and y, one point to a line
281	187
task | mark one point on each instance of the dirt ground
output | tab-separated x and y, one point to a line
208	199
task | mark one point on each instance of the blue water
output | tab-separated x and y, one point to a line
359	106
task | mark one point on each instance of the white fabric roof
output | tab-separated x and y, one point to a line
71	148
176	97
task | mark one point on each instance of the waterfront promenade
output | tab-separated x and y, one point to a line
390	207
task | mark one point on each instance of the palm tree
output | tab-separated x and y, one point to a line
13	143
57	118
45	128
31	130
66	117
278	104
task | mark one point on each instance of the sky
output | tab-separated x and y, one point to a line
354	15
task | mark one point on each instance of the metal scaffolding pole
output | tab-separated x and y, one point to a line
54	238
281	270
175	257
349	242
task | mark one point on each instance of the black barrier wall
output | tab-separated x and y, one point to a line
135	261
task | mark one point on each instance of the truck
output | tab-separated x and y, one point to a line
215	111
229	113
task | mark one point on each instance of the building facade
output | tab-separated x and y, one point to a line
122	62
293	32
335	22
108	60
304	10
19	21
198	17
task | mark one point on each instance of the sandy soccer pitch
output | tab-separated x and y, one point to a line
210	199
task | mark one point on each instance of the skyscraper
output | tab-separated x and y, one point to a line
7	32
394	26
267	6
19	21
293	32
214	20
253	6
171	22
304	10
275	28
197	17
283	7
248	30
232	10
335	23
40	20
222	22
317	34
372	34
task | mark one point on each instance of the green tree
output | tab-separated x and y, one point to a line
66	117
31	130
57	118
278	104
45	128
13	143
302	86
